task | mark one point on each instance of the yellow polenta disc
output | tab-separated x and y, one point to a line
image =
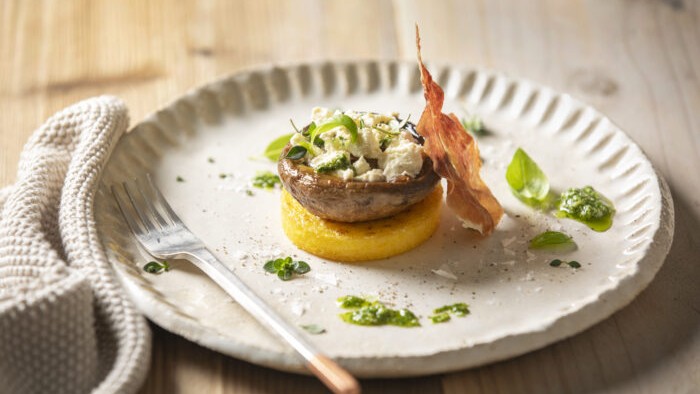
362	241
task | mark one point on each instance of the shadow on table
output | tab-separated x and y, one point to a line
199	370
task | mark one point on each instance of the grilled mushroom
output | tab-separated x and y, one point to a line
332	198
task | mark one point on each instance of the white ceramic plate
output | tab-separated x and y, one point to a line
518	302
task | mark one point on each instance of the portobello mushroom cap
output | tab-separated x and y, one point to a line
333	198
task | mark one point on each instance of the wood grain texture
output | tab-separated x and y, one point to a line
638	61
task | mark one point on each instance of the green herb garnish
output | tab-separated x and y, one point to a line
572	264
339	162
553	240
180	179
526	180
266	180
404	122
295	126
222	175
374	313
154	267
587	206
440	318
459	309
249	192
474	126
275	148
296	152
309	129
285	268
351	301
313	329
442	314
342	120
388	132
210	159
384	142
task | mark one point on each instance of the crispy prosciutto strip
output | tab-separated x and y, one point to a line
455	157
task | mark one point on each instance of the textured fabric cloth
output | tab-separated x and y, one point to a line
65	324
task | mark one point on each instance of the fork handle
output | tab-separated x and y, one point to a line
328	371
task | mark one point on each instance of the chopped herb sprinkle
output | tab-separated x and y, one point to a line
313	329
558	262
474	126
266	180
285	268
180	179
154	267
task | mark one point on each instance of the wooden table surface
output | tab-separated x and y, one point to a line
636	60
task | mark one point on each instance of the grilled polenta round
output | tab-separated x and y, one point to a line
361	241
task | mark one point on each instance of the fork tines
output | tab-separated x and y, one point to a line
144	206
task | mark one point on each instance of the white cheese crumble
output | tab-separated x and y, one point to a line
380	152
373	175
346	174
402	157
361	166
367	144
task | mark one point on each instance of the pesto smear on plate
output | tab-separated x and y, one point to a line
587	206
373	313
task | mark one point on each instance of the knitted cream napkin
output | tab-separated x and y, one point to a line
65	324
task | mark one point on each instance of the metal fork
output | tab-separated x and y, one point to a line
163	234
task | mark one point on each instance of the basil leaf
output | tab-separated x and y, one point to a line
152	267
296	152
309	129
300	267
274	149
526	179
558	263
555	263
553	240
284	274
313	329
285	268
342	120
270	267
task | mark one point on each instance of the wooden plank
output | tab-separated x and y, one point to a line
637	61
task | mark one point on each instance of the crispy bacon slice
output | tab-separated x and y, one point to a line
455	157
